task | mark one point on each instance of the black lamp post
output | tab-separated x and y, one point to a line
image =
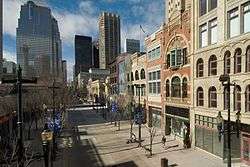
46	136
138	112
225	80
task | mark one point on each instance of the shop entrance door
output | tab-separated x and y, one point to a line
168	126
245	149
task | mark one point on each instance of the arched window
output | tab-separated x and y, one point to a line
237	60
227	62
212	65
247	98
136	75
167	88
212	97
237	98
225	94
176	87
199	68
248	59
142	74
132	76
200	97
184	87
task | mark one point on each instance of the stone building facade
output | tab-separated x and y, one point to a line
221	45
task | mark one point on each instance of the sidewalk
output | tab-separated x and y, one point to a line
113	150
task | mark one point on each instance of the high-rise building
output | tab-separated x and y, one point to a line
38	42
83	54
95	55
109	39
64	70
132	46
1	35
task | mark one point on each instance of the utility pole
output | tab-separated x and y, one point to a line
19	81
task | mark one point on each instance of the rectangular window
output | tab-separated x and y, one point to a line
154	53
158	87
203	35
184	54
154	83
203	7
213	31
212	4
179	57
173	58
234	22
246	17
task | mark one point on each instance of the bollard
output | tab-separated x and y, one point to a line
164	162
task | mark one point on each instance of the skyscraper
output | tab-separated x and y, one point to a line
1	36
38	42
132	46
64	70
95	54
109	38
83	54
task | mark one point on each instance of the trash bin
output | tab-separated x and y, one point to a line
164	162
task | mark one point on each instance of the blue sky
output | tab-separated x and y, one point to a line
81	17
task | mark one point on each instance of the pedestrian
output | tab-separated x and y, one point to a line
163	140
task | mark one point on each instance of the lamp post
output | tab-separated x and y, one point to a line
225	80
139	113
46	136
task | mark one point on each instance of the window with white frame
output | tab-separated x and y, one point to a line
237	60
212	4
237	98
176	57
213	31
212	66
200	70
233	23
203	7
203	35
212	97
227	62
248	59
154	53
200	97
154	82
246	17
247	98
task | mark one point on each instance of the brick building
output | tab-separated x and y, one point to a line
175	69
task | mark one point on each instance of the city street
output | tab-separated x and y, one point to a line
90	141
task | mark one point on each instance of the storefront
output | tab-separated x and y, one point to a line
155	116
177	121
207	137
245	144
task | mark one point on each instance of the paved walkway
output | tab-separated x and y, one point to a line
88	140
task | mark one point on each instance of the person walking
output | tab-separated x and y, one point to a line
163	140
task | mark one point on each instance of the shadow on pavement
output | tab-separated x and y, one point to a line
125	164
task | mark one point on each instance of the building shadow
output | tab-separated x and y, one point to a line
124	164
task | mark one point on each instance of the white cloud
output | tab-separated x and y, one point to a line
10	56
72	23
11	10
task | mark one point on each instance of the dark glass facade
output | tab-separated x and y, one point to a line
38	42
83	54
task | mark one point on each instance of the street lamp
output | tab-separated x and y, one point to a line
139	113
46	136
225	80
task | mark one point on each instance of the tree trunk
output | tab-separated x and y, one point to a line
151	143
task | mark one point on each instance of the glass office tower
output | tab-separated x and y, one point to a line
38	42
